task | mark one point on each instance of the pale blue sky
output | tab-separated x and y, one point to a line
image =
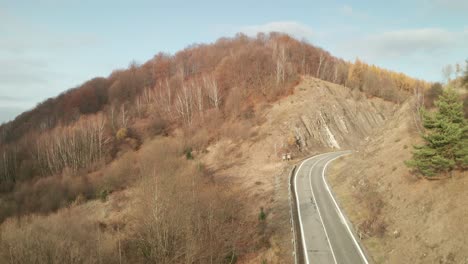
48	46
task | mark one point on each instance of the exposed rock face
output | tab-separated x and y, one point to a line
322	115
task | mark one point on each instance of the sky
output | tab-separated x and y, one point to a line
49	46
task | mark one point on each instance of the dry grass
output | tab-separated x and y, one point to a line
48	194
175	213
425	221
70	236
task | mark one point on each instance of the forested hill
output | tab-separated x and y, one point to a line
256	67
228	77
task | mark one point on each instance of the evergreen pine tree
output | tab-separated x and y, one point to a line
446	138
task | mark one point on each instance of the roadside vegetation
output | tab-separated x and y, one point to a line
445	133
179	215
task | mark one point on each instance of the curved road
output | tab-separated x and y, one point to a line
327	236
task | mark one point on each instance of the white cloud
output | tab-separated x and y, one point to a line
409	42
452	5
292	28
347	10
419	52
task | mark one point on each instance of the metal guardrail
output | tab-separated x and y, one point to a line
297	254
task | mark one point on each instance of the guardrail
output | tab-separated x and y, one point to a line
297	249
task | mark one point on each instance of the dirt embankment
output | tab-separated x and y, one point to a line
318	117
403	219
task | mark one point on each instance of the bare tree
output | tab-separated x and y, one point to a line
124	115
213	92
335	73
280	65
321	59
112	118
184	105
73	147
139	105
418	93
326	71
164	98
447	72
458	70
8	164
199	98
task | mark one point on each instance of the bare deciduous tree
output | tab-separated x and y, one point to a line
321	59
280	65
199	98
213	92
447	72
73	147
184	105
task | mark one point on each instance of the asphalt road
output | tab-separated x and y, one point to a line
327	236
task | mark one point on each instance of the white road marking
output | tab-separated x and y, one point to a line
343	219
304	247
337	208
318	209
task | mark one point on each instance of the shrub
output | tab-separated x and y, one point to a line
188	153
432	94
200	228
66	237
120	173
262	215
80	199
122	133
158	126
102	195
231	258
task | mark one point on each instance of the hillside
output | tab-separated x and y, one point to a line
179	159
254	164
245	162
402	218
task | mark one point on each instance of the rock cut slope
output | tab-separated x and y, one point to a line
322	115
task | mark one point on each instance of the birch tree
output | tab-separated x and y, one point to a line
73	147
213	92
321	59
184	105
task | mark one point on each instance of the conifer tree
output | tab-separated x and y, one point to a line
446	138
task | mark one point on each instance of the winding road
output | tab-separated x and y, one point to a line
326	235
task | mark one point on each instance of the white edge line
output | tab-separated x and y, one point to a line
318	209
291	211
304	248
339	210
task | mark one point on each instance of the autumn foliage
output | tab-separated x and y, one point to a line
202	83
259	67
81	146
